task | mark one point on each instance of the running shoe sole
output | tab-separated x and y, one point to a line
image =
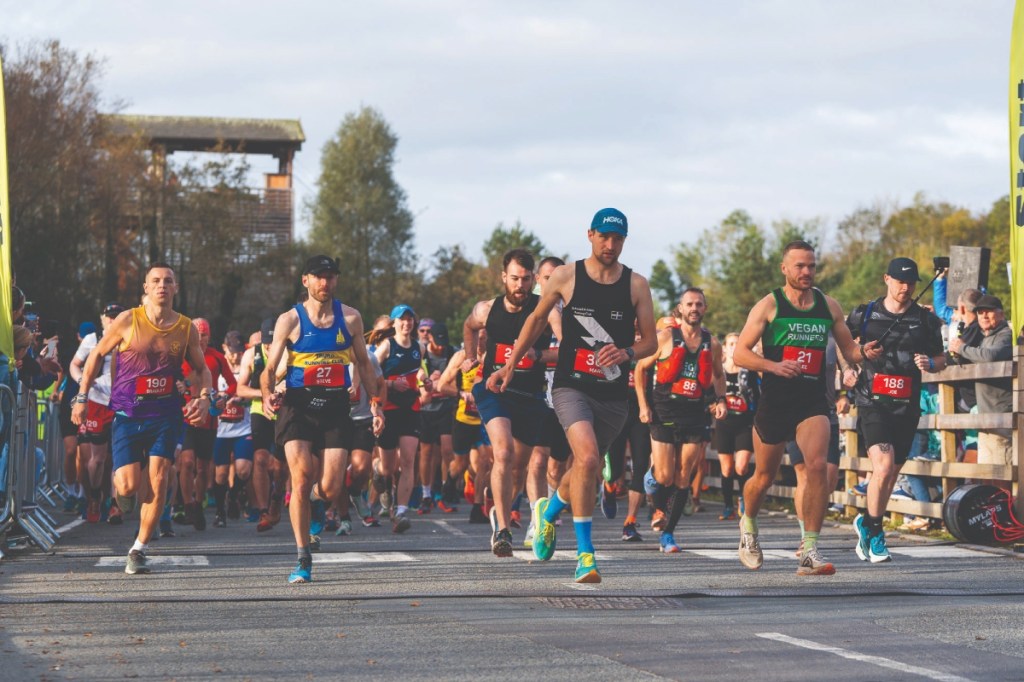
862	537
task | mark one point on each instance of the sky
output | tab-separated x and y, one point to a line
677	113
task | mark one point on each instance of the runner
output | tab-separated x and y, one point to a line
603	299
688	376
366	428
152	341
400	358
436	417
794	320
888	391
268	461
234	437
196	458
94	433
513	417
321	337
734	434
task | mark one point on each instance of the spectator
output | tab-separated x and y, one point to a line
995	396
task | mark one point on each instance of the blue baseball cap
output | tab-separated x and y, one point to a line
401	309
610	220
86	328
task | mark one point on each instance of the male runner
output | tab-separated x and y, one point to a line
513	417
688	372
321	337
793	321
602	298
234	437
152	340
734	433
436	417
888	390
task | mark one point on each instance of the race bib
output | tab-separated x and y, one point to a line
586	363
503	351
809	359
891	386
154	387
686	388
632	378
325	376
735	403
233	413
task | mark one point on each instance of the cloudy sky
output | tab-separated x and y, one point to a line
676	112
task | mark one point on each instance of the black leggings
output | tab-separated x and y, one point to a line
638	436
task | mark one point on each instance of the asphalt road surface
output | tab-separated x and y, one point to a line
435	604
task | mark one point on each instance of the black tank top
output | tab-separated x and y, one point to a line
800	335
597	315
402	364
503	329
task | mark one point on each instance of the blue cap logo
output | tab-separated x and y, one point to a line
610	220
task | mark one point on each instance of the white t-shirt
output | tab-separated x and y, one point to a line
99	392
231	429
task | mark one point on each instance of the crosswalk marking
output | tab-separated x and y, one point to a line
361	558
923	552
559	555
166	560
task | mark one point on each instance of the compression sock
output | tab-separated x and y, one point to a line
583	540
555	507
675	508
810	540
661	497
727	483
219	492
304	553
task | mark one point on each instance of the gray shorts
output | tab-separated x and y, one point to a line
607	417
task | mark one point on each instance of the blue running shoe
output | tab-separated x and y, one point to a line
586	568
877	551
317	516
630	533
651	484
863	533
668	544
303	572
609	505
544	538
861	489
901	494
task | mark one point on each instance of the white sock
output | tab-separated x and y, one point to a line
139	547
551	492
426	491
401	509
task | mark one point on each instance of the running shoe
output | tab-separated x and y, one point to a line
476	514
314	543
264	523
469	490
166	528
331	521
219	521
370	522
695	506
70	504
126	504
446	508
92	511
399	524
252	515
812	563
362	508
630	533
609	505
690	506
528	540
586	568
861	489
501	545
344	528
901	494
668	544
426	504
303	572
317	516
198	518
115	518
863	533
178	515
234	511
385	503
515	520
727	515
877	551
137	563
659	521
750	549
544	538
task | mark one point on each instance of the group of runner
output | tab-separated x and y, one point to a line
558	377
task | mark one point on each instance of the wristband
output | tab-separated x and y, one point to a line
375	401
81	399
931	365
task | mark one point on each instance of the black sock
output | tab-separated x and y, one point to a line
238	487
305	554
676	505
448	490
743	478
727	483
219	492
874	524
661	497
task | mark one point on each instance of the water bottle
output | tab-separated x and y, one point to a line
214	410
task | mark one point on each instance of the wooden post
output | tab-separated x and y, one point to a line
852	452
1017	437
947	438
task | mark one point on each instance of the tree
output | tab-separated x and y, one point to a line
503	239
360	214
663	283
457	284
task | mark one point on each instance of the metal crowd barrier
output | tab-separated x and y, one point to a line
8	511
52	487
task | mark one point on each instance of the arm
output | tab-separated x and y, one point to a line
475	321
753	328
719	410
368	377
446	384
286	323
640	379
119	328
944	312
197	408
1000	349
229	376
244	390
854	353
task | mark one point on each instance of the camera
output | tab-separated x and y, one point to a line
941	263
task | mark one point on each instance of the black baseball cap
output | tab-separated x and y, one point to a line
988	302
440	333
903	269
320	264
112	310
267	331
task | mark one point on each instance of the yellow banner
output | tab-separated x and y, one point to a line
6	336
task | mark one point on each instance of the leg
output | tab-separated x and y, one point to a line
304	470
154	490
812	438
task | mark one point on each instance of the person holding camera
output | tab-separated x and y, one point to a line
888	390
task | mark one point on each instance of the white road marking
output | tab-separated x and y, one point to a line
921	552
361	558
448	527
68	526
559	555
731	555
118	561
582	587
864	658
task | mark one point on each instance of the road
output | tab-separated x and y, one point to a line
435	604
